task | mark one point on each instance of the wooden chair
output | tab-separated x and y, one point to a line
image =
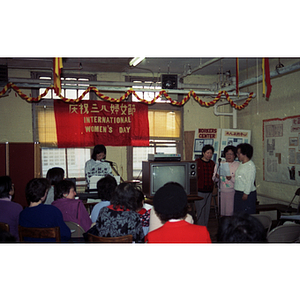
4	227
120	239
288	233
39	233
76	230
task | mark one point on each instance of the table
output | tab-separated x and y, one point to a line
280	208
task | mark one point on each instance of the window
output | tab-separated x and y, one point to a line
165	126
72	160
147	84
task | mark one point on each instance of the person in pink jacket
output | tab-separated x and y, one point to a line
72	209
226	183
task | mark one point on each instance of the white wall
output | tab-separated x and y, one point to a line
16	115
283	102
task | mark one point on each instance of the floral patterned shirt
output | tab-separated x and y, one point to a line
118	222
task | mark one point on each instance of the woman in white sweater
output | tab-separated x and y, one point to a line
245	190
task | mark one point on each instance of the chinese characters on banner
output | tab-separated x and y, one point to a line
88	123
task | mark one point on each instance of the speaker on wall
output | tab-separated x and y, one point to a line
3	74
169	81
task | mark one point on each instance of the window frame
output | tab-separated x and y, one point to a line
49	102
167	106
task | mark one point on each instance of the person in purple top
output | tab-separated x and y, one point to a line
73	210
9	210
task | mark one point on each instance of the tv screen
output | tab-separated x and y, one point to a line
163	174
157	173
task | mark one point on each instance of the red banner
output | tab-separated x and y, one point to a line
89	123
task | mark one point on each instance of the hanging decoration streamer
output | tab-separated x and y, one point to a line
125	96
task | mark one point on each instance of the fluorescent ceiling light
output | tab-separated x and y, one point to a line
135	61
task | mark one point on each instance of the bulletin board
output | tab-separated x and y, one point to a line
219	139
207	136
281	141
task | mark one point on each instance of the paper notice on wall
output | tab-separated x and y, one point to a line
281	159
234	137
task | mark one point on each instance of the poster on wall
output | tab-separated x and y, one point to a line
234	137
207	136
281	162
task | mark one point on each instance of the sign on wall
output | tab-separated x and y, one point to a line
281	140
207	136
88	123
219	139
234	137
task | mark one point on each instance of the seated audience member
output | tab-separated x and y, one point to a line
241	228
170	203
105	187
143	212
155	221
40	215
120	217
7	237
54	175
72	209
9	211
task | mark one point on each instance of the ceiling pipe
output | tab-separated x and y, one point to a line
278	72
110	86
125	89
201	67
232	114
212	87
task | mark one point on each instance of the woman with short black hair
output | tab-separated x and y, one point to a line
97	166
39	215
54	175
245	190
73	210
120	217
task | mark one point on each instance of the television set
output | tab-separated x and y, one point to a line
156	173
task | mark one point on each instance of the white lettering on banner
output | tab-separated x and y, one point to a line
124	129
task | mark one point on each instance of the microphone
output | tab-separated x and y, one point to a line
110	162
219	160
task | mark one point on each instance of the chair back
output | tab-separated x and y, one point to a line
39	233
76	230
4	227
288	233
119	239
265	220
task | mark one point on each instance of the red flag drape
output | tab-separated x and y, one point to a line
57	66
88	123
268	78
237	75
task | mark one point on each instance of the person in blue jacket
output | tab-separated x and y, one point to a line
41	215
